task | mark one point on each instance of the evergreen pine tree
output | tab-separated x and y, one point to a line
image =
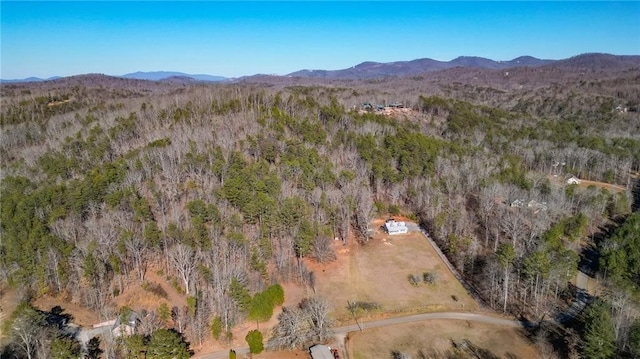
599	336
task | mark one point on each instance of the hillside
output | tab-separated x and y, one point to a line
372	70
214	193
163	75
376	70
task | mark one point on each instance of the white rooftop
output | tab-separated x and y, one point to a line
396	227
320	351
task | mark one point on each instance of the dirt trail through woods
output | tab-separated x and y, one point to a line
610	187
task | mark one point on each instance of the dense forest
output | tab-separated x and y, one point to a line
225	187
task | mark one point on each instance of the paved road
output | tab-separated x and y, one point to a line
342	331
84	335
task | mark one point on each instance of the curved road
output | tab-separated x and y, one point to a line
342	331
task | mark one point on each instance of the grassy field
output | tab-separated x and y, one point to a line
378	272
436	336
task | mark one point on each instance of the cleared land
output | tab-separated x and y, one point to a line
610	187
375	272
613	188
436	336
378	272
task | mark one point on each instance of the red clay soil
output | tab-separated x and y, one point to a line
610	187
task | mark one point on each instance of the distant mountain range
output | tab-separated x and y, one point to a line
370	70
164	75
151	76
31	79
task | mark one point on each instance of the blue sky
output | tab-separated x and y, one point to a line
233	39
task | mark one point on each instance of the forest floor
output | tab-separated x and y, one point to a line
79	314
137	298
293	295
9	299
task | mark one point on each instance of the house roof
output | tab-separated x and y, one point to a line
393	226
320	351
131	320
573	179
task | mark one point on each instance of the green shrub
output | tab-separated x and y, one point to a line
364	306
276	294
429	277
254	339
162	142
216	328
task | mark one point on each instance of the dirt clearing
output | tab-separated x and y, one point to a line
378	272
80	315
613	188
610	187
437	336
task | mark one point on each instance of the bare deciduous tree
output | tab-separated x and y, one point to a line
488	203
363	210
308	323
291	330
183	260
28	328
317	310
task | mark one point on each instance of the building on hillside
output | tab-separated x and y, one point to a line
320	351
392	227
533	205
573	180
367	106
125	324
621	109
537	206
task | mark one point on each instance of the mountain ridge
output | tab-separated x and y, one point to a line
138	75
372	69
163	75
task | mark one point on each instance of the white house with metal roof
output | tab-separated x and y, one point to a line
392	227
573	180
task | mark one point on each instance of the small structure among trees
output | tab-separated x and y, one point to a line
573	180
392	227
125	324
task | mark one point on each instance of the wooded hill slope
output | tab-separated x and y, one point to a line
227	186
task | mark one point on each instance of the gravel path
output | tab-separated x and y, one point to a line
341	332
